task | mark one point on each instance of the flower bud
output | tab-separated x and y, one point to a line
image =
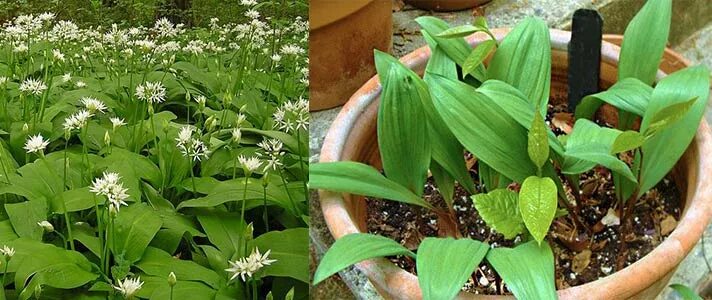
47	226
172	279
107	138
25	128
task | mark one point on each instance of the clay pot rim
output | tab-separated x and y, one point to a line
622	284
320	16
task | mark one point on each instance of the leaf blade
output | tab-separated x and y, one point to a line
442	267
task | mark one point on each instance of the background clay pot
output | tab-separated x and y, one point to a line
446	5
353	137
342	37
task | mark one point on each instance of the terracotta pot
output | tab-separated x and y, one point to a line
342	37
353	137
446	5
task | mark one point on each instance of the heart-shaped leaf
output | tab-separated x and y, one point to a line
537	204
500	210
444	265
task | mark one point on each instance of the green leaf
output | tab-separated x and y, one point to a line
537	204
685	292
662	150
360	179
482	127
24	217
477	56
628	94
224	232
500	210
236	190
644	41
528	270
290	248
135	227
596	154
74	200
156	262
401	121
460	31
523	59
456	48
445	264
626	141
668	115
353	248
537	142
445	183
446	149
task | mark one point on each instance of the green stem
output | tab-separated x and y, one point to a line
286	189
67	220
242	214
264	207
160	155
301	163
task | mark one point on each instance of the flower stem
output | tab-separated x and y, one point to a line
264	207
67	220
242	214
286	189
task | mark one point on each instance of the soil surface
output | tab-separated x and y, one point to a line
656	215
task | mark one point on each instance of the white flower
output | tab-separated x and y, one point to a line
250	164
57	55
276	57
35	143
249	265
46	16
32	86
80	84
292	50
152	92
93	105
236	135
184	136
47	226
7	251
200	100
109	186
252	14
116	122
128	287
248	2
20	48
197	150
78	120
292	115
3	80
67	77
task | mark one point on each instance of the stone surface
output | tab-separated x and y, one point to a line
689	36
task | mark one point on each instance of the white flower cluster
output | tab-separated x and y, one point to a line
109	186
273	154
247	266
129	286
7	251
33	87
151	92
35	144
191	147
250	164
292	116
77	120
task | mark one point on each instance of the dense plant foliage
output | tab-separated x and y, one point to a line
154	162
496	112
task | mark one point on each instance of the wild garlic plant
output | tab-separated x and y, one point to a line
497	113
123	149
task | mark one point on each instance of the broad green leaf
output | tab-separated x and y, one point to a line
597	154
626	141
644	41
662	150
537	142
236	190
401	121
528	270
537	204
445	264
6	232
628	94
460	31
134	228
290	247
353	248
523	59
156	262
85	234
668	115
156	288
74	200
24	217
360	179
224	232
482	127
446	149
477	56
500	210
685	292
56	267
456	48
